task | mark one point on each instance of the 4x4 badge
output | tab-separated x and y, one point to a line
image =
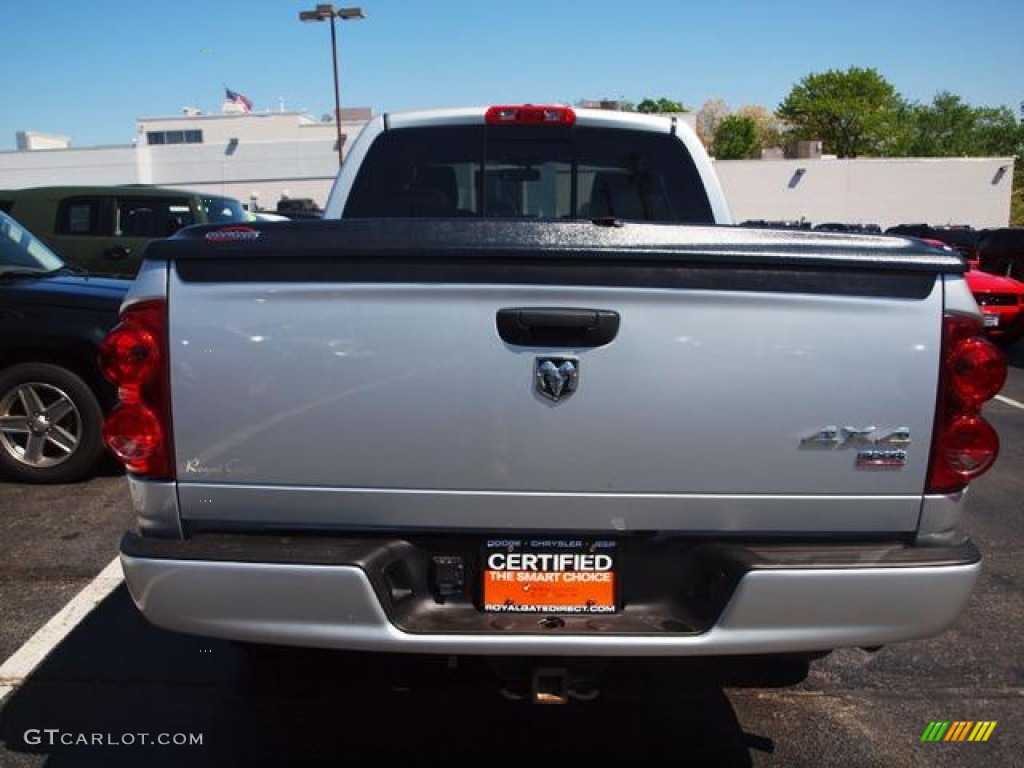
557	377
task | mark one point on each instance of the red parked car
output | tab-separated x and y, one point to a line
1001	299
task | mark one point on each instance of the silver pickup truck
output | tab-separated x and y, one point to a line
493	409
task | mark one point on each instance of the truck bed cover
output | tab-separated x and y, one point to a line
546	241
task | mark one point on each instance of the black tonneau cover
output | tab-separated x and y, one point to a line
485	240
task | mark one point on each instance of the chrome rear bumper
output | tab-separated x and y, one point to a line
779	600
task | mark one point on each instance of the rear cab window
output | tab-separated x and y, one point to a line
538	172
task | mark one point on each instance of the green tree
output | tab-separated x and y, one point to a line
949	127
736	138
709	117
851	112
945	128
771	131
660	106
900	136
997	132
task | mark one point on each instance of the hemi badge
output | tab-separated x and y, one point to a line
881	459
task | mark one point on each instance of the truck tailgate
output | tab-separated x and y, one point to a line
729	399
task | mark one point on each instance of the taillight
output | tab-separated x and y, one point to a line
134	434
133	356
977	370
528	114
972	371
130	355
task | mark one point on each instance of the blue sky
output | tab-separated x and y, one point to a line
88	69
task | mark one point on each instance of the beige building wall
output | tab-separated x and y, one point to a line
45	167
253	126
886	192
257	158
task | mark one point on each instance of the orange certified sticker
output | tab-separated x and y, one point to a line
554	577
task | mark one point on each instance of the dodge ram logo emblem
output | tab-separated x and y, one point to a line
557	377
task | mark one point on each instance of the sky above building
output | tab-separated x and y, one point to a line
88	69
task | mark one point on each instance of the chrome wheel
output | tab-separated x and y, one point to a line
40	426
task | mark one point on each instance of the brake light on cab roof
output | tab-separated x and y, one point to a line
529	114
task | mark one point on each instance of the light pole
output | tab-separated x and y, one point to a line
322	13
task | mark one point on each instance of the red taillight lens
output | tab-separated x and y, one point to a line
977	370
133	432
130	355
973	371
966	449
134	357
528	114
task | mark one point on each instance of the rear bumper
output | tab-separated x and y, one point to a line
348	594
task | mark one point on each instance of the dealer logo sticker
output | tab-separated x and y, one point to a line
233	235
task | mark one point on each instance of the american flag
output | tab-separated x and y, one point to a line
237	98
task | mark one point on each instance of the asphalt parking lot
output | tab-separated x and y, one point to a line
116	676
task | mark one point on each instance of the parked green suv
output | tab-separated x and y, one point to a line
104	228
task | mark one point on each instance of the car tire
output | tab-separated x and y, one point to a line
50	424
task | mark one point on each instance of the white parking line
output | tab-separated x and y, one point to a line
24	661
1008	401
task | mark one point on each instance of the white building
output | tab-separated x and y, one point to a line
255	157
261	157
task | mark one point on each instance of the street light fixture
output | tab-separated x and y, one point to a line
323	13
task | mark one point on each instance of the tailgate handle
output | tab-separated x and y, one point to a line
557	326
